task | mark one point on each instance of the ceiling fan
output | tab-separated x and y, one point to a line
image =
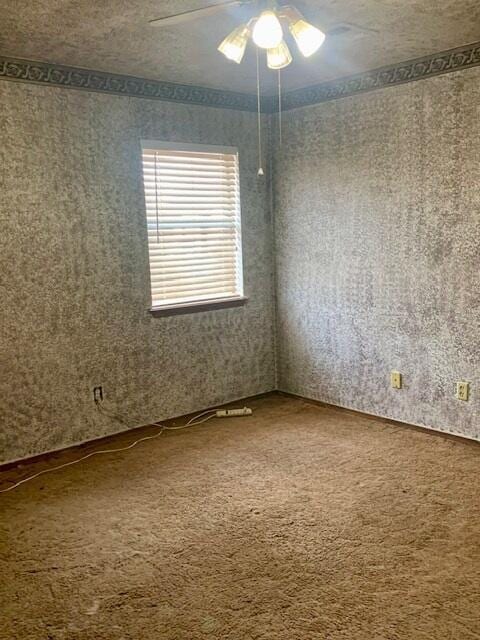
202	12
264	29
266	32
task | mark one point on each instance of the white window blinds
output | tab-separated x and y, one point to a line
193	217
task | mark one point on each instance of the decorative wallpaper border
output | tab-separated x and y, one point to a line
426	67
75	78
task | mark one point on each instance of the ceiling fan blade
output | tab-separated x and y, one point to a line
178	18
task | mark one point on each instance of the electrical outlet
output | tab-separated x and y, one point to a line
98	394
396	380
463	389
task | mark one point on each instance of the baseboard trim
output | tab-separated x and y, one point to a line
139	430
379	417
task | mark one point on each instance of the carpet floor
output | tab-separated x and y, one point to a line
300	522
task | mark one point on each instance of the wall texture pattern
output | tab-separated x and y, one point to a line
74	272
377	206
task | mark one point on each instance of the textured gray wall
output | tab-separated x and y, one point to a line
377	211
74	272
378	262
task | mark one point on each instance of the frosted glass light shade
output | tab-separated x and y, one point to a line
267	32
308	38
279	57
233	47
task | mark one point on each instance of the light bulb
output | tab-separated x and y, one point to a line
279	57
308	38
233	47
267	32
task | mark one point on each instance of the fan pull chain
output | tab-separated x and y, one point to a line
279	108
156	196
259	120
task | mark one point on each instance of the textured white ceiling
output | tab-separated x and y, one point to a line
114	35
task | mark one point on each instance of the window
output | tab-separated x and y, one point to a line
192	199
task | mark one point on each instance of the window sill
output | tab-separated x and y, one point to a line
195	307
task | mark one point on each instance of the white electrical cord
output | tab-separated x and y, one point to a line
89	455
195	418
191	423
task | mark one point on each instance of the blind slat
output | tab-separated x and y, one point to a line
200	272
172	252
192	218
166	291
201	186
147	151
208	296
190	158
198	280
164	200
171	168
189	263
160	240
222	230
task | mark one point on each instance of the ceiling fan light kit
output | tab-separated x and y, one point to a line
265	29
267	33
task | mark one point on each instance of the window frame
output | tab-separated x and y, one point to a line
193	306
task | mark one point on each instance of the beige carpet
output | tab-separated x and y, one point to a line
298	523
